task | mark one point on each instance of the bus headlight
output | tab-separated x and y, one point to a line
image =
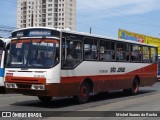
11	85
38	87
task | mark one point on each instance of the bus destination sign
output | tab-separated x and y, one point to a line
39	33
36	32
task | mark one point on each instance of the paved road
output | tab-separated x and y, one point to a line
148	99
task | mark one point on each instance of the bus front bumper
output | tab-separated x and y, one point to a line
54	89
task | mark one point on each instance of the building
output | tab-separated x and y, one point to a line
47	13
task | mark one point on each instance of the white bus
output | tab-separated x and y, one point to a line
4	47
47	62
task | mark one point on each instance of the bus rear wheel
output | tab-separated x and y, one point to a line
45	98
135	87
83	93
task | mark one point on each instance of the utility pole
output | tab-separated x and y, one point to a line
90	30
32	19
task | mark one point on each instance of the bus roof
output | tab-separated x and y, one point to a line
106	37
86	34
37	28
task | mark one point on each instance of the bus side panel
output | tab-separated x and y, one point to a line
70	84
148	75
62	89
110	82
71	80
118	82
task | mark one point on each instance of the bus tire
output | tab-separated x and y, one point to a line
45	98
83	93
135	87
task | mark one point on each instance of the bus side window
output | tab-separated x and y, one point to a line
136	53
105	50
121	52
146	54
113	52
153	54
90	49
72	53
127	57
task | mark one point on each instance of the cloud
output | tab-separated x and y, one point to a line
116	7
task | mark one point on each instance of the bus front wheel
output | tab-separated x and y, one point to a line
83	93
45	98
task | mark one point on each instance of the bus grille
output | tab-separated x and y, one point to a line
26	81
24	86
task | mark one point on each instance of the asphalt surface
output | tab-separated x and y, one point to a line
148	99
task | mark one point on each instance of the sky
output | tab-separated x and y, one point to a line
104	17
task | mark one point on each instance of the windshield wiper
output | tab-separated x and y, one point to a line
27	58
36	54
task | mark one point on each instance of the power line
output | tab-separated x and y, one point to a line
10	1
102	5
119	20
9	27
5	31
131	19
100	29
152	31
113	8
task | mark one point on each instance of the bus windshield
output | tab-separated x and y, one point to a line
33	53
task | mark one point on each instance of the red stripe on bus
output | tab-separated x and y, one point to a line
146	72
15	79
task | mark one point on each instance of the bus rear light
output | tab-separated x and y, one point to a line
38	87
11	85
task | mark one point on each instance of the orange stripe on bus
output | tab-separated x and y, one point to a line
15	79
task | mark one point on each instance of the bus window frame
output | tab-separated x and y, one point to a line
123	51
62	60
3	44
98	49
146	54
112	52
6	54
127	46
13	40
133	61
156	57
